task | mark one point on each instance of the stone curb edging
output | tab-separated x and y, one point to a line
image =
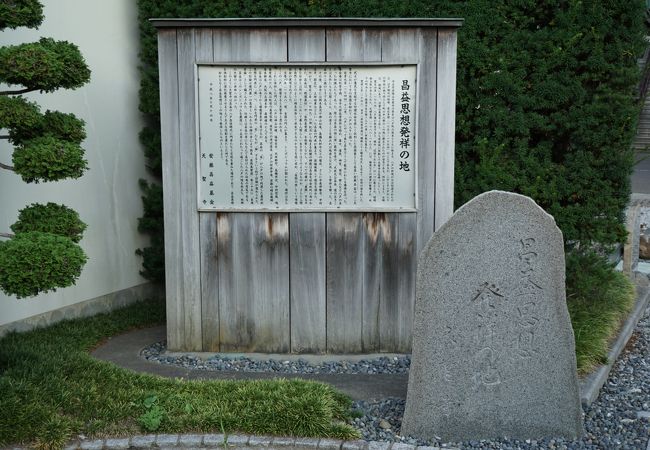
590	386
236	442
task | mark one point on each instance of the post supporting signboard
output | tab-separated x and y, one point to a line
305	164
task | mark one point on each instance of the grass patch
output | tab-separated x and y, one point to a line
52	389
599	299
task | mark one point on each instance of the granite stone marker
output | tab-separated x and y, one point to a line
493	349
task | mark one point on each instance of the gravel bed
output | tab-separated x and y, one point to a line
618	419
156	353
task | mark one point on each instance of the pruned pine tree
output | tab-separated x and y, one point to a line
41	253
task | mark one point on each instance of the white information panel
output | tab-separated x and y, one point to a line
322	138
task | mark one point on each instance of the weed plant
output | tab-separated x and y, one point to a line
52	390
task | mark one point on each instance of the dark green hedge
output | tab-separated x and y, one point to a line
545	98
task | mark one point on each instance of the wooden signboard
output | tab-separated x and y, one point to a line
305	164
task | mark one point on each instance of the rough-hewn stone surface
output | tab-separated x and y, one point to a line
493	348
631	247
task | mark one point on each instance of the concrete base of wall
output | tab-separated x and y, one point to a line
86	308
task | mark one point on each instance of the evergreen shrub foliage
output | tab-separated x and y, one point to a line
46	65
545	97
50	218
20	13
35	262
19	116
47	158
43	254
24	121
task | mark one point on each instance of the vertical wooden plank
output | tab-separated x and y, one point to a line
189	215
398	261
426	136
377	237
209	282
307	236
308	308
253	248
253	254
345	44
168	70
345	261
445	125
208	237
407	257
306	45
352	267
250	45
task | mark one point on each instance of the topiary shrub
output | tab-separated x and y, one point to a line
20	117
43	254
50	218
49	159
24	121
63	126
46	65
35	262
20	13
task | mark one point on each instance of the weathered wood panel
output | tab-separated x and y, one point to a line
253	248
445	125
250	45
426	137
308	307
168	72
347	44
397	303
345	262
190	243
253	254
209	282
398	261
378	234
351	309
307	237
208	236
306	45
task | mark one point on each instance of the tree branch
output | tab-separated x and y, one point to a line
20	91
4	136
4	166
7	235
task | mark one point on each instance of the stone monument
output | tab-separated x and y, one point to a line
493	347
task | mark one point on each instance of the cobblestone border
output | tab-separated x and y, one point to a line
235	442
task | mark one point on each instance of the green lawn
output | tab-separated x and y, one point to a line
51	389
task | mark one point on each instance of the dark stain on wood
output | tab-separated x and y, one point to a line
376	223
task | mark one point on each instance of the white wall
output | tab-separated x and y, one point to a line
107	197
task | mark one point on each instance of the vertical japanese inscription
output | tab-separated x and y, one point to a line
496	311
306	137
